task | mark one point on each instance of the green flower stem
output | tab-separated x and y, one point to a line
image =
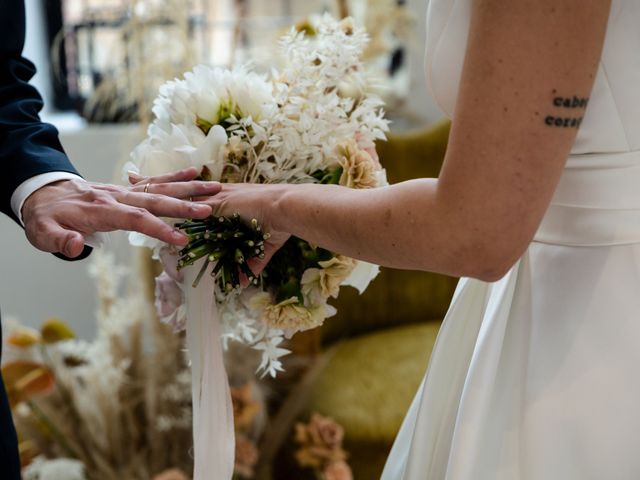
228	242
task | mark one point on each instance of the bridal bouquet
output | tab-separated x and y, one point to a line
315	120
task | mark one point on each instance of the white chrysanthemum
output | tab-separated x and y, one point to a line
57	469
212	94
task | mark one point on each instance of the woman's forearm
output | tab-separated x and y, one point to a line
400	226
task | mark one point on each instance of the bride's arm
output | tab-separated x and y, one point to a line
529	68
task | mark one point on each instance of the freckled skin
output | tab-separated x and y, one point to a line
387	217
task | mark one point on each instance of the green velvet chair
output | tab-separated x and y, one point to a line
380	342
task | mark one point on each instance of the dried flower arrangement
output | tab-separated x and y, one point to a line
119	406
320	448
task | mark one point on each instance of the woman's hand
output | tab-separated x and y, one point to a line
248	200
253	201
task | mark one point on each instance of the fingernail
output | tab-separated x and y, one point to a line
180	238
199	209
66	248
134	177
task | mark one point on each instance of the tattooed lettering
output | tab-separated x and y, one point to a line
575	102
567	121
570	122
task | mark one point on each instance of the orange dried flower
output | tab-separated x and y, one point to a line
246	457
245	406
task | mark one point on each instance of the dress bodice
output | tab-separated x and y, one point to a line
612	120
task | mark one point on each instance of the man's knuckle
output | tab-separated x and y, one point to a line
137	213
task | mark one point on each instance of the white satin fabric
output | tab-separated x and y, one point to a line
536	376
213	431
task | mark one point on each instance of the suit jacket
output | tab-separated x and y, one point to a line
28	148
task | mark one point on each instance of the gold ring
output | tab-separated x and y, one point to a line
146	188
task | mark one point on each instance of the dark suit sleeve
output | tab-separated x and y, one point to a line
28	147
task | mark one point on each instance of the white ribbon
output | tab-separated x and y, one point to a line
213	432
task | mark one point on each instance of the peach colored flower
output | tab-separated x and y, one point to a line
320	442
173	474
337	471
359	170
246	457
325	431
245	407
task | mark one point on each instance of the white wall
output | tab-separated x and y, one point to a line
35	286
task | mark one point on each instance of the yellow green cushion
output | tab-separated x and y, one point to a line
395	298
368	386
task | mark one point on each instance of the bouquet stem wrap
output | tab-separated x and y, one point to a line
213	431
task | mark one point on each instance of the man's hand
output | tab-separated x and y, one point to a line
59	216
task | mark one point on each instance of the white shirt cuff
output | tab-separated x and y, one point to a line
26	188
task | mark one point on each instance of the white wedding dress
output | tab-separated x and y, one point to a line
537	376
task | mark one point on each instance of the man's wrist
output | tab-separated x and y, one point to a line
28	187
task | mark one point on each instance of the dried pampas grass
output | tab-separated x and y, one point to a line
122	403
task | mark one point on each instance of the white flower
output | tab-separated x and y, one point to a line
212	94
362	275
272	353
181	147
381	178
282	129
57	469
137	239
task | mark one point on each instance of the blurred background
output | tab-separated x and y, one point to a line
100	63
100	389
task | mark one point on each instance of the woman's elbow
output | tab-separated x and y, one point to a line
490	262
491	272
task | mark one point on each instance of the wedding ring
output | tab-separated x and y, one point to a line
146	188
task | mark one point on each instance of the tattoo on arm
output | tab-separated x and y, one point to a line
568	111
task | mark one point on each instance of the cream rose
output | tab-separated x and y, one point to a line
288	315
359	170
319	284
